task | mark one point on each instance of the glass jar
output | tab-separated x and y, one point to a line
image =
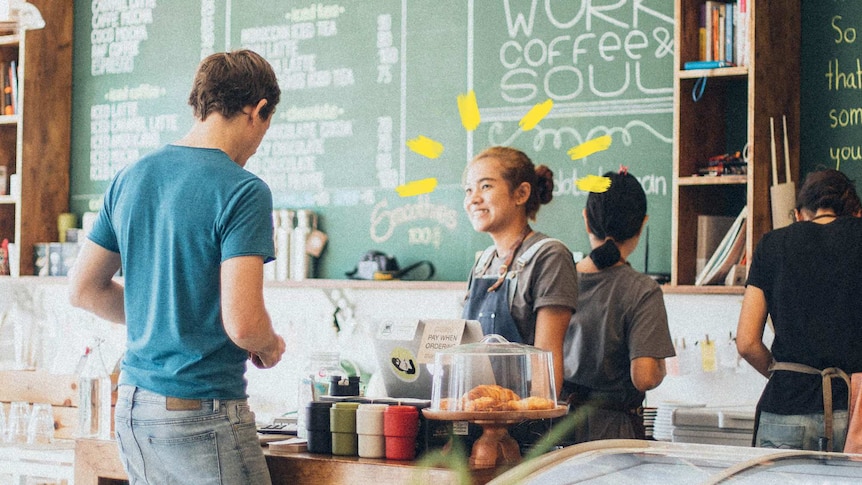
314	382
94	394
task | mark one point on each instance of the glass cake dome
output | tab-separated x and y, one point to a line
493	375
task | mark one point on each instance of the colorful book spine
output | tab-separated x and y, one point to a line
701	33
742	32
706	65
13	83
722	34
728	32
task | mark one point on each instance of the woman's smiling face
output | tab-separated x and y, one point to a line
490	203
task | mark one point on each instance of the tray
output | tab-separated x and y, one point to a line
501	416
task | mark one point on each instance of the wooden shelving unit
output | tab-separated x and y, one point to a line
35	141
734	110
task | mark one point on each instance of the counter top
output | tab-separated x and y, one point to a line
97	462
319	283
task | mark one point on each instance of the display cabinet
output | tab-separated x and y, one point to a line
35	132
725	110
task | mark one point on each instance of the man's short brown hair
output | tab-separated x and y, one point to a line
227	82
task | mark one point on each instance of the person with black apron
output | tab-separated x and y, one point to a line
524	286
806	277
617	341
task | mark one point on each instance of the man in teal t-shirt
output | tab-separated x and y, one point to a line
191	229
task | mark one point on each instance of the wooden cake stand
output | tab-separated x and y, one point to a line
495	447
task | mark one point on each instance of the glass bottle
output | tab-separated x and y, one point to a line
94	394
282	247
314	382
300	260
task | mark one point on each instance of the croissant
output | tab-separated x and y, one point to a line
483	403
493	391
534	403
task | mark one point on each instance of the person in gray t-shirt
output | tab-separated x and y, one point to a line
617	341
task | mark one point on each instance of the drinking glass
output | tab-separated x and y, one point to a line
40	430
2	424
19	416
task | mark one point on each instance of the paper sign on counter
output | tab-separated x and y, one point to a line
439	335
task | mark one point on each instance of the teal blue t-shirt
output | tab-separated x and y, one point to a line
174	216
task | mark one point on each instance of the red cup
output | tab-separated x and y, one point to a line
400	428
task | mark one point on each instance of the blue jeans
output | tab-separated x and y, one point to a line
799	431
215	445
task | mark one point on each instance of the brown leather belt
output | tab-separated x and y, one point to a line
180	404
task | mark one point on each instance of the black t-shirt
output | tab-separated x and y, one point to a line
811	275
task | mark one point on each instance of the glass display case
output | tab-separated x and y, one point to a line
651	462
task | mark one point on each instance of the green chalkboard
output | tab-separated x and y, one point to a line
831	105
360	79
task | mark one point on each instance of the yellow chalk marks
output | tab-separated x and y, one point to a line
589	147
425	146
417	187
593	183
535	115
469	109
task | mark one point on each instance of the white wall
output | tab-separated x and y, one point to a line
304	317
693	318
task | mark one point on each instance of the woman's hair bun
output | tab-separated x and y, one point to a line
544	184
606	255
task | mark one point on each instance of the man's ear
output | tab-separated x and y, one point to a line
256	111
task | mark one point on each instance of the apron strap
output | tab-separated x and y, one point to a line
522	261
525	258
483	261
827	375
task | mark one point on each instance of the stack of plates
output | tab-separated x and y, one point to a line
649	421
663	424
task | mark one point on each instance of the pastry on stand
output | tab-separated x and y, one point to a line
483	383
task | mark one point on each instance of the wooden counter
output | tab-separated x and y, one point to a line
97	462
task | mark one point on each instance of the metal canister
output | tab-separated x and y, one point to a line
301	263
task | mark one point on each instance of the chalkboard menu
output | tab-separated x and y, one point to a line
831	105
363	80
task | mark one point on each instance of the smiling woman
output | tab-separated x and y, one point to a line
524	286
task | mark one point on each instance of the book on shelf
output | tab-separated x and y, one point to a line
740	19
9	88
706	65
13	83
701	33
710	232
718	48
709	10
728	32
722	32
727	254
738	273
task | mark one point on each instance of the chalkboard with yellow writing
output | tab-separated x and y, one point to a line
831	102
369	134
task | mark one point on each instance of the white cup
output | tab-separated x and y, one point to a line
2	424
40	429
19	418
15	185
